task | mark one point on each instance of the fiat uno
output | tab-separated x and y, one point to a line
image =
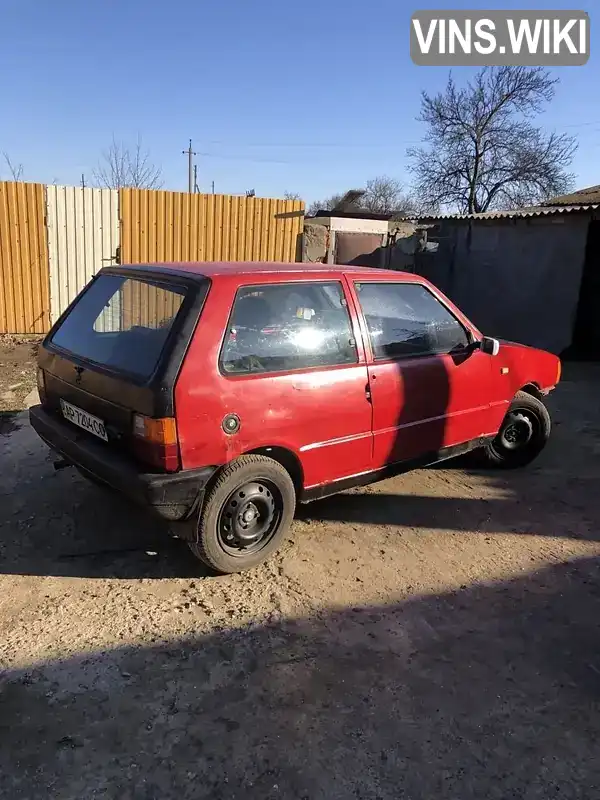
220	395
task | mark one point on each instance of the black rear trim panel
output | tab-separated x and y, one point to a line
173	496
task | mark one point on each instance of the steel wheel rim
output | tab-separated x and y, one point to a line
249	518
518	432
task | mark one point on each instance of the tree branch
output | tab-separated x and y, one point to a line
122	167
16	170
482	147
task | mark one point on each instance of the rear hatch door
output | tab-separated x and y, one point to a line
117	350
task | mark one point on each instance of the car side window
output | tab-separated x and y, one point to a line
406	319
286	326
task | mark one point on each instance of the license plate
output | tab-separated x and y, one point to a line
84	420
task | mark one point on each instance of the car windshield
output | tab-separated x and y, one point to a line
121	323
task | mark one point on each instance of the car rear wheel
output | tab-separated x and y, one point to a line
523	435
245	515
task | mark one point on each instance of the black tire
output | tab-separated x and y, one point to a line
523	434
226	540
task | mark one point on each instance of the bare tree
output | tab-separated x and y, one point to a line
122	166
381	195
291	196
385	195
483	152
325	205
143	173
16	170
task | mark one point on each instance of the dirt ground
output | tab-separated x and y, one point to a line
434	636
17	375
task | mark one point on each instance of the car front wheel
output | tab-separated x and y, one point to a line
523	434
245	515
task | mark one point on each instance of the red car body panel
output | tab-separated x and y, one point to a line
342	421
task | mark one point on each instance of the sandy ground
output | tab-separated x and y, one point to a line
433	636
17	374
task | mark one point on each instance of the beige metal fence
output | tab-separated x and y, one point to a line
83	237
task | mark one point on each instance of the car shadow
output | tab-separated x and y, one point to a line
490	691
551	497
8	422
58	523
516	514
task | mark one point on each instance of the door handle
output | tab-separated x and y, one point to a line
368	392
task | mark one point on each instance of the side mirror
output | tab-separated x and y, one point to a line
490	346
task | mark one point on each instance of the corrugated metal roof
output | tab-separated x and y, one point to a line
580	197
532	211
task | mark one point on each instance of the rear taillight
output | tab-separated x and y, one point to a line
156	441
558	371
41	385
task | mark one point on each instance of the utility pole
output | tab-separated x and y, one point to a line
190	154
213	187
83	180
196	189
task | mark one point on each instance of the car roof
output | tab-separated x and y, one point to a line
214	269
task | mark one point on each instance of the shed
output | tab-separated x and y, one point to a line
346	237
530	275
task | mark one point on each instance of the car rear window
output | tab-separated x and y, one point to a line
121	323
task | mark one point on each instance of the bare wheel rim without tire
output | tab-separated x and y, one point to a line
249	518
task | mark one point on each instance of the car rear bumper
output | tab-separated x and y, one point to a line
173	496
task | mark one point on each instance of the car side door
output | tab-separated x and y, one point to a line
293	360
429	385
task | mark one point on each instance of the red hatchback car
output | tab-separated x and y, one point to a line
222	394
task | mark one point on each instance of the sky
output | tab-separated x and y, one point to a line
277	97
